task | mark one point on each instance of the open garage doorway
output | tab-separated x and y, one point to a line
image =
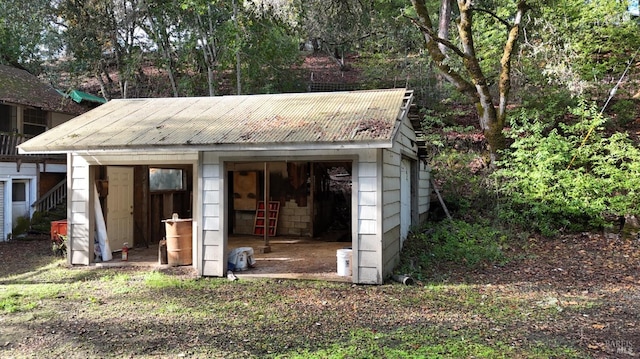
134	201
294	215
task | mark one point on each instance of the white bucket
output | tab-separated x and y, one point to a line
344	262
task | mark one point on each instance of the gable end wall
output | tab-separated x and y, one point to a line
404	146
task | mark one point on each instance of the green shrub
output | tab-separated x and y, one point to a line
567	178
466	243
21	226
453	242
464	183
624	111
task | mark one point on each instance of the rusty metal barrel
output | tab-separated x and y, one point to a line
179	239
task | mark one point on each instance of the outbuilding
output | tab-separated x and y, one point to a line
319	158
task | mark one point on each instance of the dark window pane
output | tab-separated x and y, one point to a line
19	192
5	119
33	130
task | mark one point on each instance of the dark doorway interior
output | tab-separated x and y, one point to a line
312	198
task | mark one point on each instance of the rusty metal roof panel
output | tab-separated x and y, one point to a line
302	118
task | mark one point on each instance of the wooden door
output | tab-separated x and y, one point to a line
120	207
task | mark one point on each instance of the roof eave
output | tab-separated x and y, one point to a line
383	143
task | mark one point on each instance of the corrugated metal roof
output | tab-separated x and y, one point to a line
301	118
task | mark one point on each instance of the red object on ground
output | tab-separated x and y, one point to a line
125	252
58	228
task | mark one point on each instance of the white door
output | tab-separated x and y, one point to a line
405	198
120	207
20	199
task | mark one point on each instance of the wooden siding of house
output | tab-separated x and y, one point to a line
3	236
213	247
424	191
390	209
59	118
80	211
404	146
367	249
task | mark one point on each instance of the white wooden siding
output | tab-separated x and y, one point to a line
390	250
391	188
424	190
141	158
3	236
213	246
367	247
10	169
78	203
404	146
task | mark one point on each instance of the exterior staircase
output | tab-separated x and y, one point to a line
53	198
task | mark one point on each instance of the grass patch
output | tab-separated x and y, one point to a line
427	343
135	312
453	242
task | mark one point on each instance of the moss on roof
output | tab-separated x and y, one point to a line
22	88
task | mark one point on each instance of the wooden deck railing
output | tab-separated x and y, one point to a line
9	150
57	195
8	143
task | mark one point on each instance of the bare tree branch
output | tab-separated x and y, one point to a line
427	31
504	22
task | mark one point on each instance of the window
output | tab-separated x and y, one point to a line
19	192
166	179
35	121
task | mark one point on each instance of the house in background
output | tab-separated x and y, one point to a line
29	107
315	158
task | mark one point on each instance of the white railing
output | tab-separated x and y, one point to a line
51	199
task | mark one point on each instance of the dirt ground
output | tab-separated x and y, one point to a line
592	280
293	258
287	257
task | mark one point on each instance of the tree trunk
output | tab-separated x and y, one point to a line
491	127
444	23
473	84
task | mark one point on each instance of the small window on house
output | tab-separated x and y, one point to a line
35	121
19	192
166	179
